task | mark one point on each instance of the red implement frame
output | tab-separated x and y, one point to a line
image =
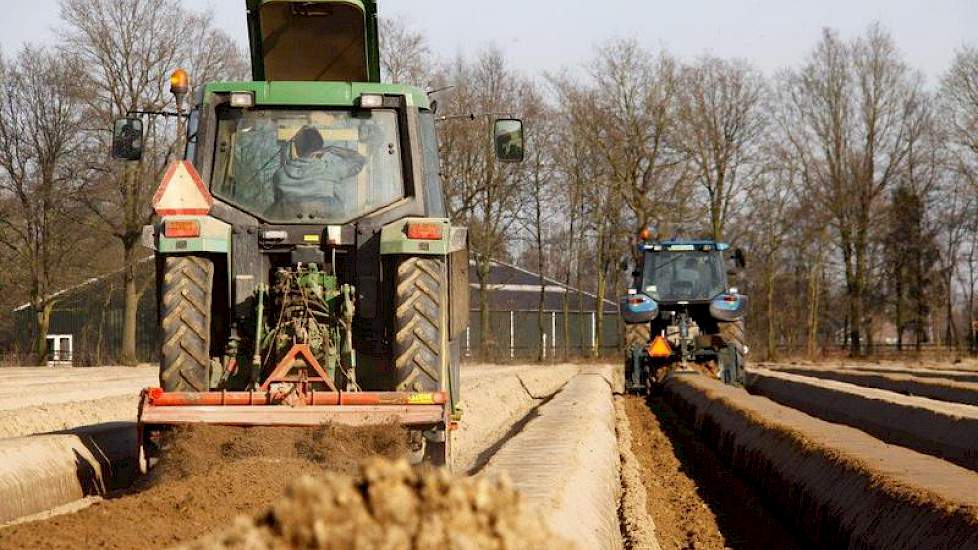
299	405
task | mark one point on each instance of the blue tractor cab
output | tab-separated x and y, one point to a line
682	312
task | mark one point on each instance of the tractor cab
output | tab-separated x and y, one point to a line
683	271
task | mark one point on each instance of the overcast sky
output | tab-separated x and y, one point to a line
546	35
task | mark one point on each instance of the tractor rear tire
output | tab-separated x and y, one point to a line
185	318
421	341
638	335
734	335
421	335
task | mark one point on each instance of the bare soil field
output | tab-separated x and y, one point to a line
209	477
217	474
948	430
967	367
842	487
22	387
391	505
695	500
41	399
943	385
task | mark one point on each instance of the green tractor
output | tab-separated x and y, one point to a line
682	314
306	268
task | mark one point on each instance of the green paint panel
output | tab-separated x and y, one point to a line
179	246
310	94
393	239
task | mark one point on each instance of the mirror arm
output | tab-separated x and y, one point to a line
471	116
159	113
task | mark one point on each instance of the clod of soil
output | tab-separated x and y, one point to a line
389	505
207	477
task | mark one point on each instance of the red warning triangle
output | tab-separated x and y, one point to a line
182	192
660	347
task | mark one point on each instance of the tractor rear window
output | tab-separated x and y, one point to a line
326	166
679	276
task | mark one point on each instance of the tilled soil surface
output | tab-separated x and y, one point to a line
943	429
944	389
694	499
392	506
208	476
842	487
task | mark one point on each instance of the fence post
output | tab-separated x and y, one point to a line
468	342
553	332
512	334
594	335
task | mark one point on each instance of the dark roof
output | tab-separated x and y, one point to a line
513	288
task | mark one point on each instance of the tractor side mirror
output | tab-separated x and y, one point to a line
736	261
127	139
508	140
740	258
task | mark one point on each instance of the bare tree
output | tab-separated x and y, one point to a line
772	211
537	215
479	190
720	122
630	121
959	100
845	115
42	139
405	57
129	48
579	164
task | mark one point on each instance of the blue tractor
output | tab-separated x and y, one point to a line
682	314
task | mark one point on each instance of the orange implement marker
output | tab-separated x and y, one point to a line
660	347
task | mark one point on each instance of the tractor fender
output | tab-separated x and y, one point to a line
728	307
438	239
638	308
211	235
213	239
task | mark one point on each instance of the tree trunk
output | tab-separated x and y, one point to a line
486	343
952	332
130	306
42	316
599	314
566	325
814	290
899	308
769	280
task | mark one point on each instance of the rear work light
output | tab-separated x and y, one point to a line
242	100
371	101
181	229
424	231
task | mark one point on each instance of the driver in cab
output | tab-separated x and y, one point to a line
309	184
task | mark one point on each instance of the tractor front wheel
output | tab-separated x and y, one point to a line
185	318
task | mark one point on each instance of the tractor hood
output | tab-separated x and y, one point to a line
320	40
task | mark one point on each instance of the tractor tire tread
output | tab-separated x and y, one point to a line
637	335
419	324
185	318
